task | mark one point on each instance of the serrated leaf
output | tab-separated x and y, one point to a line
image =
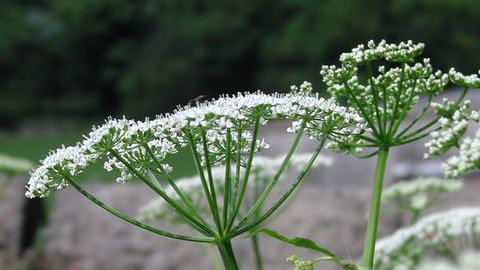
297	241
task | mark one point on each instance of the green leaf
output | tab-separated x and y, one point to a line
297	241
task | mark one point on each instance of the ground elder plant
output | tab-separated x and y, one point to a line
224	133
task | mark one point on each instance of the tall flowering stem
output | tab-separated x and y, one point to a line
384	102
369	248
222	132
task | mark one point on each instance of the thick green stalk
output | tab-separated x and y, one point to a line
226	252
369	248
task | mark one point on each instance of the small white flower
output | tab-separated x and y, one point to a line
124	178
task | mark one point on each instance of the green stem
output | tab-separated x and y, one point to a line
136	222
265	193
369	248
239	229
394	122
213	194
256	250
236	181
228	183
195	224
205	185
375	100
248	167
213	257
175	187
420	115
364	114
226	252
403	112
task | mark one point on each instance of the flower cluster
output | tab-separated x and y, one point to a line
445	232
420	193
263	171
452	129
133	148
471	81
403	52
299	263
467	160
385	97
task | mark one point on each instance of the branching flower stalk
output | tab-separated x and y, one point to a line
221	132
263	170
384	101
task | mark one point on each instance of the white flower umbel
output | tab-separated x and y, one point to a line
140	145
452	127
418	194
467	160
447	233
263	170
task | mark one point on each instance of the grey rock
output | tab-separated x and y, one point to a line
11	217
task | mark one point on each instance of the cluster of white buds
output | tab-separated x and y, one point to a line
468	158
453	127
403	52
386	97
471	81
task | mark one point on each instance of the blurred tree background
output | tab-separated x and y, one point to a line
90	58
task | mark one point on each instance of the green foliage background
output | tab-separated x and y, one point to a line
140	58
